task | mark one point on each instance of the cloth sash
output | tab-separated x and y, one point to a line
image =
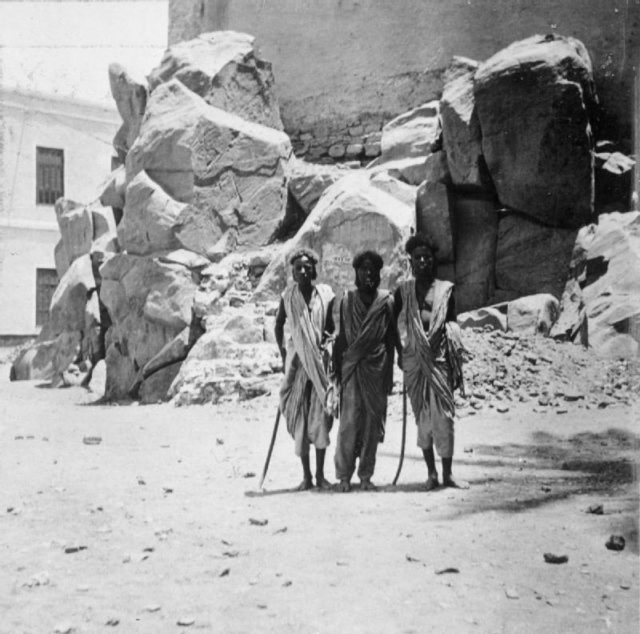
304	355
431	360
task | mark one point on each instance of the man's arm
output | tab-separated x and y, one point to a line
281	317
339	347
397	309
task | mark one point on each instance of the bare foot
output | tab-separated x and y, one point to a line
305	485
367	485
431	483
455	484
344	486
322	484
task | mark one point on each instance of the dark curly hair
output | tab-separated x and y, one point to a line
310	254
420	240
374	257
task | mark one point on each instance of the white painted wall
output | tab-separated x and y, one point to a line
29	231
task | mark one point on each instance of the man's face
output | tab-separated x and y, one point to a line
367	275
422	261
302	271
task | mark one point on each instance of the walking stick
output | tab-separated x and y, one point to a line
273	441
404	432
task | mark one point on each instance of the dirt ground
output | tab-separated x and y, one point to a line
165	526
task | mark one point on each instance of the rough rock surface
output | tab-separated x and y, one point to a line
532	258
489	318
113	188
226	70
69	300
607	264
533	100
149	218
231	172
410	170
352	215
149	303
532	314
572	324
130	95
613	179
475	226
410	134
434	219
461	136
76	227
307	181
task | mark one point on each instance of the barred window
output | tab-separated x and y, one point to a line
49	175
46	283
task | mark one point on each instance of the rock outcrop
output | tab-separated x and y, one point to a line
230	172
226	70
533	101
130	95
353	215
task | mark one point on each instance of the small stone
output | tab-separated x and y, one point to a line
625	585
561	410
596	509
511	593
152	607
255	522
468	450
64	628
167	490
616	542
185	621
447	571
550	558
571	395
113	622
545	488
92	440
249	474
74	549
225	572
503	409
140	480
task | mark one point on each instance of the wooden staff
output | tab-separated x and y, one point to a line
404	432
273	442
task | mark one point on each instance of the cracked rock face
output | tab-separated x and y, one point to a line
230	172
224	69
533	100
353	215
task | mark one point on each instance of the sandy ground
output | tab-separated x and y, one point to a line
168	526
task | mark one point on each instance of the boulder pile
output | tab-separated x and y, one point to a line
173	274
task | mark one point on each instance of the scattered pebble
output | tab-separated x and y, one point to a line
616	542
112	622
254	522
625	585
69	550
550	558
596	509
39	579
152	608
447	571
219	441
140	480
185	621
503	409
411	559
167	489
92	440
280	530
64	628
511	593
249	474
286	584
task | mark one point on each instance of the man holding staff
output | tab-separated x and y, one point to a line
431	358
308	307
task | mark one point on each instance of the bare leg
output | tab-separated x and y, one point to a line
344	486
447	479
307	481
430	459
321	482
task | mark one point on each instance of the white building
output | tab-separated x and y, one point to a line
51	147
57	122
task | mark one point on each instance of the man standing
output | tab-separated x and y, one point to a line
363	356
308	307
431	357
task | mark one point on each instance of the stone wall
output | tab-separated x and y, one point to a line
345	67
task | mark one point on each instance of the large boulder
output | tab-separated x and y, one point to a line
532	258
613	179
114	187
353	215
475	227
410	134
607	263
130	95
76	227
308	181
572	324
461	135
149	302
533	100
231	172
532	314
149	218
227	71
48	357
67	311
434	219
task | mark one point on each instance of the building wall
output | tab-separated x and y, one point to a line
343	67
29	231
